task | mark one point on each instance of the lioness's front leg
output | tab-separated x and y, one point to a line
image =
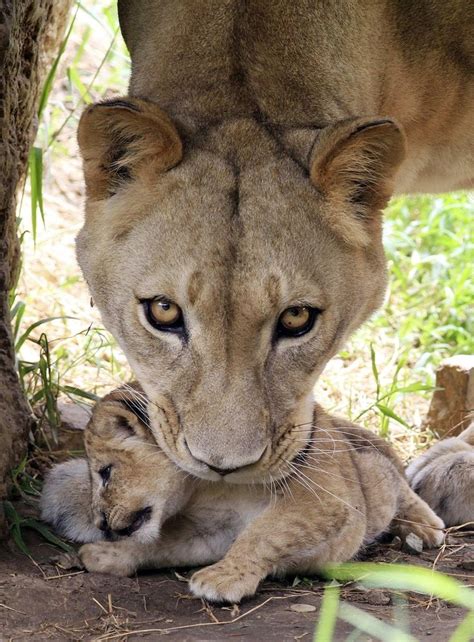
285	538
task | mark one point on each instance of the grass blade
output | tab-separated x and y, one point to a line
35	325
465	631
388	412
35	165
328	614
15	521
47	534
373	626
75	80
375	371
405	578
48	85
78	392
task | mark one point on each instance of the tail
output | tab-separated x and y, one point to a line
66	502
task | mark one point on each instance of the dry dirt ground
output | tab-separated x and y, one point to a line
39	600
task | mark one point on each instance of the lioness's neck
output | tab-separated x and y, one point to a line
311	64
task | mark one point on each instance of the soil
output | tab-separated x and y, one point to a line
40	600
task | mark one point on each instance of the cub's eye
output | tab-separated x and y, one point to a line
163	314
295	321
105	474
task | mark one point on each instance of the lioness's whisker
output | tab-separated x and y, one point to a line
327	472
332	451
274	494
139	396
284	481
300	479
358	437
311	481
361	442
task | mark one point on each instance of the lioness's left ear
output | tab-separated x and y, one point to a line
353	164
123	139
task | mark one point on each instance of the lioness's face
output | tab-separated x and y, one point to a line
229	280
135	486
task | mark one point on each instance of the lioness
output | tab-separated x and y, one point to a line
233	230
345	489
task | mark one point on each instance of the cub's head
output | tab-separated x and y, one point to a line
231	268
135	486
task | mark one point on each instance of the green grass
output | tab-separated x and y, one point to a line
400	578
427	315
430	248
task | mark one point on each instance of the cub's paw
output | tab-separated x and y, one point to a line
105	557
224	582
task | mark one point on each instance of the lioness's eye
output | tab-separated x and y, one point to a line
105	474
295	321
163	314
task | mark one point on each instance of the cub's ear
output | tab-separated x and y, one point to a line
121	414
353	164
123	139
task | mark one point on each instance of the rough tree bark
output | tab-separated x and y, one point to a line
30	33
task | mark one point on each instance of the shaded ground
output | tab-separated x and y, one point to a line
41	601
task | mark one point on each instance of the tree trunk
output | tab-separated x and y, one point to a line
30	33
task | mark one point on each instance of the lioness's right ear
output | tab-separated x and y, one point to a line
124	139
353	164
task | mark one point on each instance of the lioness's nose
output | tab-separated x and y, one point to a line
221	471
218	464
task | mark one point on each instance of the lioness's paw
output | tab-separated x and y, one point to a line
105	557
224	582
430	530
431	533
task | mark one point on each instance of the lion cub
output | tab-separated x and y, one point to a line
127	489
444	477
346	488
126	486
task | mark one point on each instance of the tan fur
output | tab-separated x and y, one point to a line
138	136
141	478
345	490
444	477
288	127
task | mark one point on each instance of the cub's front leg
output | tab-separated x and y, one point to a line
285	538
115	558
181	542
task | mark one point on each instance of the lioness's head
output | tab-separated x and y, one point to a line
135	486
230	268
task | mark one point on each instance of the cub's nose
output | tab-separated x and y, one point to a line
137	519
103	525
